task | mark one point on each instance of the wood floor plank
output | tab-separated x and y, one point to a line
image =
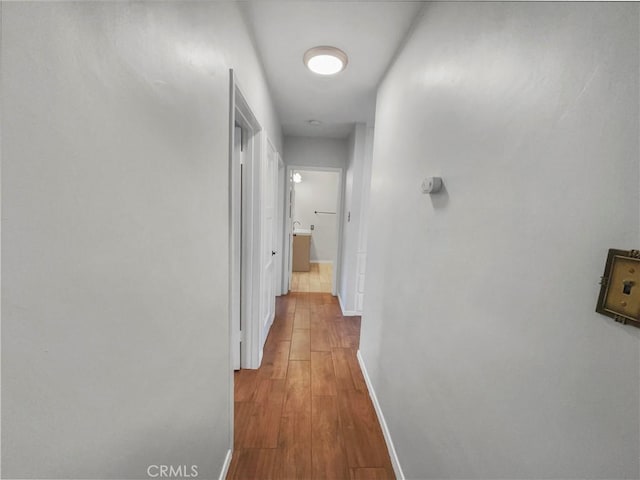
244	383
281	360
326	299
353	341
302	299
315	300
356	374
324	335
333	336
315	284
344	380
242	412
328	460
353	325
253	464
323	378
291	304
371	474
301	318
315	310
318	279
284	305
300	345
294	460
270	391
319	340
281	329
264	428
297	397
264	424
334	310
363	438
346	338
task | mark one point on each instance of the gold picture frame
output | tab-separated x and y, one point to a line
620	287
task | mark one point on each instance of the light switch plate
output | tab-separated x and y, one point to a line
620	287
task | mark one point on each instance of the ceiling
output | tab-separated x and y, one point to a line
370	32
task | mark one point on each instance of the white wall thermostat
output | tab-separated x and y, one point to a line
431	185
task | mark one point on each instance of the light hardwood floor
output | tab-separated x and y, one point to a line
317	279
306	413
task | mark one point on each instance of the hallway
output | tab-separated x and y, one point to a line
158	159
306	413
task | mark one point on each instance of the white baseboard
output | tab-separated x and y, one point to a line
320	261
383	424
225	467
346	313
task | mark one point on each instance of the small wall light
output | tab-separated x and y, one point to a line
325	60
297	178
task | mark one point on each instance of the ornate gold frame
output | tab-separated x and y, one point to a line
618	298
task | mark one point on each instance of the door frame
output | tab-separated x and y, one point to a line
288	225
244	231
281	288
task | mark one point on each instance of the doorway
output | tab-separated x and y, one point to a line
245	157
253	250
314	206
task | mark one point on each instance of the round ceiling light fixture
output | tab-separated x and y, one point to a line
314	123
325	60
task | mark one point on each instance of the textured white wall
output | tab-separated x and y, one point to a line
315	152
115	341
479	329
318	191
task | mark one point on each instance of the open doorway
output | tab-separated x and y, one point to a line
314	198
245	158
253	250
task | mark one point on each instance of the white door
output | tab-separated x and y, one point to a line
269	188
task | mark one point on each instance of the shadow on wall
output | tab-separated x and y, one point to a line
440	200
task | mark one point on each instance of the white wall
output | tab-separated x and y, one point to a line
479	329
115	337
318	191
315	152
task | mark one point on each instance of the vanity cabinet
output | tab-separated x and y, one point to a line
301	252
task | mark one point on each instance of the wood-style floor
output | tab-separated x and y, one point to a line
317	279
306	413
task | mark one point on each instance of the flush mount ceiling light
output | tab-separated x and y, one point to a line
325	60
315	123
